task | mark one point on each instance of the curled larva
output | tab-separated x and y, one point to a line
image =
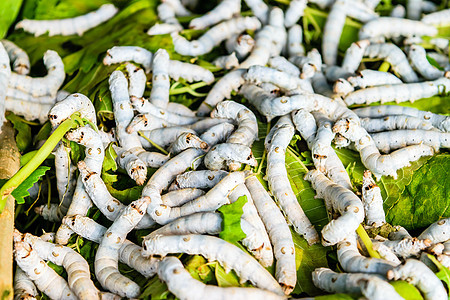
77	102
354	55
241	44
438	18
394	27
227	62
223	154
372	200
183	286
225	10
119	54
77	25
18	57
418	274
204	179
437	232
418	57
187	140
217	134
213	248
309	64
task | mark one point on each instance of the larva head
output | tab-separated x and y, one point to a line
140	205
17	235
48	237
342	87
138	171
22	250
52	60
276	17
308	71
340	141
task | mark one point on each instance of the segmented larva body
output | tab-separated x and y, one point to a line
444	260
213	248
205	124
159	95
107	256
225	10
44	277
286	81
259	8
137	79
163	136
146	123
438	121
279	183
372	200
418	274
437	232
166	13
391	140
407	247
399	11
261	51
279	233
386	253
333	73
24	288
276	20
320	85
217	134
89	138
395	27
190	72
18	57
16	94
365	78
342	200
310	64
242	45
138	160
414	9
354	55
187	140
371	286
294	12
227	62
333	31
183	286
370	156
231	155
398	92
352	261
280	63
203	179
180	109
164	28
214	36
181	196
295	41
129	253
438	18
78	274
321	146
399	234
418	57
179	8
395	56
78	25
119	54
30	111
77	102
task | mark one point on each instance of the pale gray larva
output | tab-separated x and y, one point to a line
29	110
332	32
137	80
159	95
259	8
147	123
24	288
310	64
187	140
418	58
367	78
399	11
226	62
164	28
386	253
119	54
17	94
294	12
438	18
204	179
280	63
225	10
217	134
321	146
295	41
77	25
18	57
77	102
163	137
167	14
223	154
437	232
407	247
414	9
241	44
354	55
394	27
179	8
180	197
372	200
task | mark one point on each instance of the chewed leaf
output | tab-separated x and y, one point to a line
406	290
23	137
231	224
109	163
198	267
225	279
22	190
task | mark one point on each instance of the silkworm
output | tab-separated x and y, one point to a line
179	8
414	9
438	18
164	28
400	233
276	21
119	54
189	72
280	63
225	10
44	277
407	247
352	261
181	196
129	253
19	95
24	288
166	13
372	200
187	140
418	274
77	102
399	11
294	12
18	57
214	36
217	134
204	179
444	260
261	51
398	92
309	65
386	253
418	58
320	85
332	32
183	286
370	156
395	27
360	11
164	136
367	78
371	286
321	145
241	44
212	248
323	3
147	123
107	256
354	55
205	124
279	184
78	25
295	41
259	9
279	234
395	56
137	80
29	110
437	232
439	121
391	140
159	95
227	62
179	109
223	154
334	73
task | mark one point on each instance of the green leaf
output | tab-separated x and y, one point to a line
155	289
109	162
406	290
22	190
199	269
443	272
231	224
225	279
335	297
44	132
56	268
23	137
8	13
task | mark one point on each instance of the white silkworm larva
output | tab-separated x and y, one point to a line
352	261
217	134
242	45
119	54
189	72
166	13
159	95
367	78
333	73
147	122
232	81
320	85
370	156
399	92
137	160
342	200
260	74
386	253
395	56
225	10
42	86
164	28
321	144
221	155
30	111
428	6
407	247
228	255
180	109
204	179
371	286
439	121
77	102
310	64
414	9
438	18
418	57
279	233
17	94
205	124
129	253
24	288
276	21
227	62
179	8
280	63
294	12
89	138
259	9
295	41
372	200
332	32
137	79
437	232
183	286
399	11
214	36
78	274
77	25
18	57
354	55
394	27
418	274
358	10
44	277
399	233
444	260
107	256
187	140
180	197
164	136
396	139
279	183
261	51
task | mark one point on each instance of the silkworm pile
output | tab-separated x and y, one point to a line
190	162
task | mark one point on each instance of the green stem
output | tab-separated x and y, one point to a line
384	67
153	143
367	241
188	89
37	160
